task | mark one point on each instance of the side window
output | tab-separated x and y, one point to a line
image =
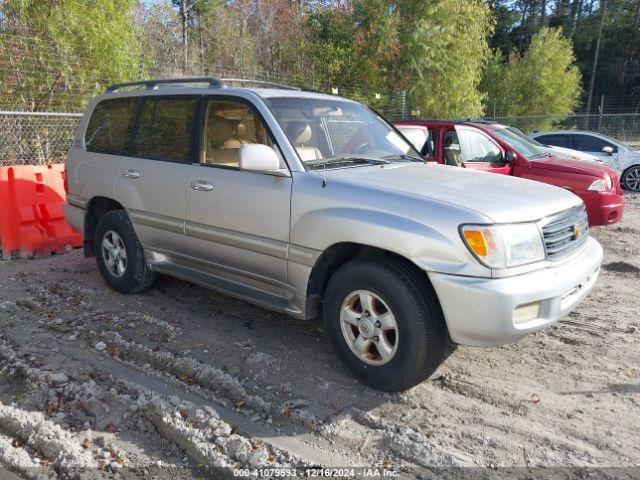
475	147
227	126
171	128
111	125
419	138
589	143
141	137
555	140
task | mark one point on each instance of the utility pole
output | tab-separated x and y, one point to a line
603	9
185	39
600	112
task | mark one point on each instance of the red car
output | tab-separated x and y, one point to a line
496	148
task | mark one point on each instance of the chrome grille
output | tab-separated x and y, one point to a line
565	232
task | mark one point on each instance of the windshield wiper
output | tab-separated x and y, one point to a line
344	161
403	156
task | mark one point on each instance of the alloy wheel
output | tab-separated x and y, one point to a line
114	254
369	327
632	179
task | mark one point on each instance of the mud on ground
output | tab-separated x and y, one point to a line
185	383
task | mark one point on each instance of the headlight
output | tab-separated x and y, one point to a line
602	184
503	246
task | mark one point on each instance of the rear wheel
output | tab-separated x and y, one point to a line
631	178
119	254
385	322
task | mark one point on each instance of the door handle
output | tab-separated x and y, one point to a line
131	173
201	185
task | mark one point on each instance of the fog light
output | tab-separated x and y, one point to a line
526	312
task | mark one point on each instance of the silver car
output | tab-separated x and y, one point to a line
614	153
310	204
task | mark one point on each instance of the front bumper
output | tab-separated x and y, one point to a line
604	208
480	311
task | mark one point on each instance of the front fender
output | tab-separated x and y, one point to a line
429	247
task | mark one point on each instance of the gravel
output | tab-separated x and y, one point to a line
182	380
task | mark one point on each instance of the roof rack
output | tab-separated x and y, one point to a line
481	121
212	81
153	84
259	82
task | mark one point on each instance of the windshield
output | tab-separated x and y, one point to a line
519	141
329	133
517	131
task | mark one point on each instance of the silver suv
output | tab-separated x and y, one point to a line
310	204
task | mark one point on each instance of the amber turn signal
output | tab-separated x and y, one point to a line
477	241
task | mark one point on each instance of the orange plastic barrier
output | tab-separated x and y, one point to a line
31	218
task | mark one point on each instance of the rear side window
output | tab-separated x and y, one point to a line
111	125
171	128
141	138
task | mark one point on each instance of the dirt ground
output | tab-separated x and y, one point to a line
180	382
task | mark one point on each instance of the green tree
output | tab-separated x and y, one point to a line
74	47
435	51
542	81
444	48
333	31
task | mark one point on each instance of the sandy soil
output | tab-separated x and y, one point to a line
184	383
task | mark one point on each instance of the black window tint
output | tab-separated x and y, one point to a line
588	143
170	135
141	138
555	140
111	125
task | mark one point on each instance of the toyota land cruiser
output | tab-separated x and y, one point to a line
310	204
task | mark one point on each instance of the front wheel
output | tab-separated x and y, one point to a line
631	178
385	322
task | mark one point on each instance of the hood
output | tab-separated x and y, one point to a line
573	154
501	198
570	165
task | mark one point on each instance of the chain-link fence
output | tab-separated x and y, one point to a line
621	126
36	138
45	137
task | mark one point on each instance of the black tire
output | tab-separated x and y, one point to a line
625	181
137	276
422	332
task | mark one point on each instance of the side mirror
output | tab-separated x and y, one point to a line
255	157
608	150
510	156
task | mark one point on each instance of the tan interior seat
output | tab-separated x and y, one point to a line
300	135
222	145
238	138
452	155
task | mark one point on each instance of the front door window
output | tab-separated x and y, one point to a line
227	126
475	147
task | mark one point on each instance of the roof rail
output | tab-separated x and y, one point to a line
481	120
153	84
259	82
